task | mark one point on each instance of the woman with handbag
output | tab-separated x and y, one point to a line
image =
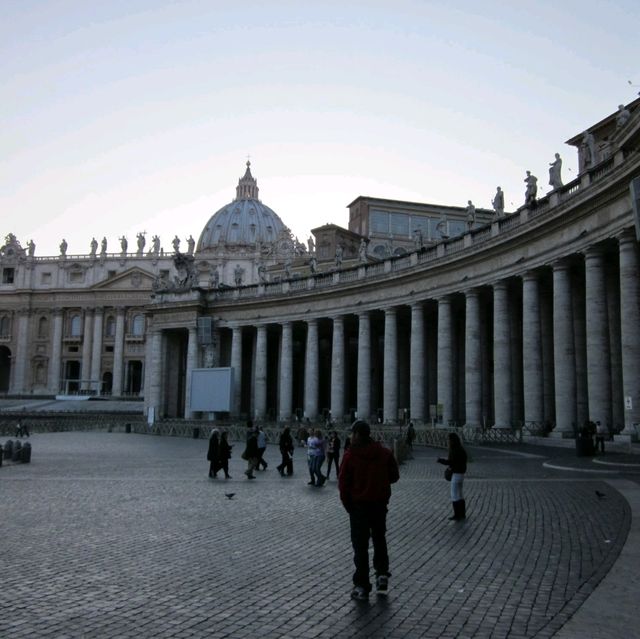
456	463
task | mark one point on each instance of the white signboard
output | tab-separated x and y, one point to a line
211	390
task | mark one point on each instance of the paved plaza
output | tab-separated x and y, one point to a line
124	535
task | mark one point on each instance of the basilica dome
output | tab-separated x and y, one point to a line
243	222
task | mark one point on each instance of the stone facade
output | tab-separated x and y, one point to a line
531	318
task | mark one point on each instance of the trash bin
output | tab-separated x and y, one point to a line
25	453
196	432
17	447
127	428
8	449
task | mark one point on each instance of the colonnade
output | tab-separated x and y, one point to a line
558	344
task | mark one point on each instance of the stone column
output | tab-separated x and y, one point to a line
337	370
55	362
472	360
118	354
96	351
390	367
445	360
598	355
192	362
260	381
155	374
21	359
236	365
564	357
286	373
502	399
417	364
311	371
364	366
532	351
87	341
630	330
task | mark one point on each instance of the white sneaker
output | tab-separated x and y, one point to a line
382	584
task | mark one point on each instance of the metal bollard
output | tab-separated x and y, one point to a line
25	453
17	447
8	449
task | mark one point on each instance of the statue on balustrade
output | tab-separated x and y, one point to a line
155	246
191	243
313	264
362	251
262	273
418	239
124	245
498	202
214	277
339	254
238	274
311	244
63	247
555	168
176	244
141	242
471	214
93	247
103	246
287	267
31	248
622	117
588	156
532	189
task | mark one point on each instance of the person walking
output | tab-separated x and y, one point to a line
368	469
601	434
457	461
333	453
213	454
262	447
250	453
224	452
285	444
315	457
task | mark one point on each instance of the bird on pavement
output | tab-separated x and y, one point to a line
229	495
600	495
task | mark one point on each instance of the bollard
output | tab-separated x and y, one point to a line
17	447
127	428
25	453
8	449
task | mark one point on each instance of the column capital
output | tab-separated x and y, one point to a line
472	292
530	276
593	252
500	285
627	238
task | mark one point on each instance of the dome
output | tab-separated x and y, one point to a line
243	222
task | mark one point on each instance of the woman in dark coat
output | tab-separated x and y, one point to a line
213	455
457	461
224	452
286	450
251	453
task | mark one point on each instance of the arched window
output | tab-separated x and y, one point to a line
76	326
137	325
5	326
43	327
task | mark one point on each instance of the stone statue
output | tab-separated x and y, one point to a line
124	245
313	265
311	244
287	267
176	244
498	202
339	254
214	277
155	245
589	157
93	247
103	246
532	189
238	273
362	251
63	247
141	242
31	248
262	273
471	214
555	168
442	227
191	243
622	117
418	239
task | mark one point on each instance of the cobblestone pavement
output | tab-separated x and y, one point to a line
122	535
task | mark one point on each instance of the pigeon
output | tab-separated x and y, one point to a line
229	495
600	495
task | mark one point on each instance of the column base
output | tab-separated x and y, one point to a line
562	434
625	438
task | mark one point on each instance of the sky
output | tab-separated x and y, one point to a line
139	115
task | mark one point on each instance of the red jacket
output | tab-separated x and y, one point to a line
366	474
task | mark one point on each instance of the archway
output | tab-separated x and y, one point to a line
5	369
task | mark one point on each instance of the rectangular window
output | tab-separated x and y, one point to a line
400	224
111	273
421	224
379	221
8	275
45	278
76	276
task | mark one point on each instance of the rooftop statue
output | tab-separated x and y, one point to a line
555	168
141	242
63	247
155	245
103	247
471	214
622	117
589	156
238	273
93	247
532	189
418	239
176	244
498	202
191	243
311	244
124	245
31	248
362	250
339	254
313	264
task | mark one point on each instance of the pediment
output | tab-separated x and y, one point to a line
133	279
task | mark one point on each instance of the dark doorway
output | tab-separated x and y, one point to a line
72	376
5	369
134	377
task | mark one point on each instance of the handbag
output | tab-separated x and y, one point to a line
448	473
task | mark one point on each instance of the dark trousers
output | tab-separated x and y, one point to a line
287	463
369	520
333	458
261	461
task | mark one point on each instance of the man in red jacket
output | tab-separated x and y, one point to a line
368	469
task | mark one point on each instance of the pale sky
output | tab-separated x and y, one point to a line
138	115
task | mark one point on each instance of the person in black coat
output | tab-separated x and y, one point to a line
286	450
224	452
213	454
251	453
457	461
